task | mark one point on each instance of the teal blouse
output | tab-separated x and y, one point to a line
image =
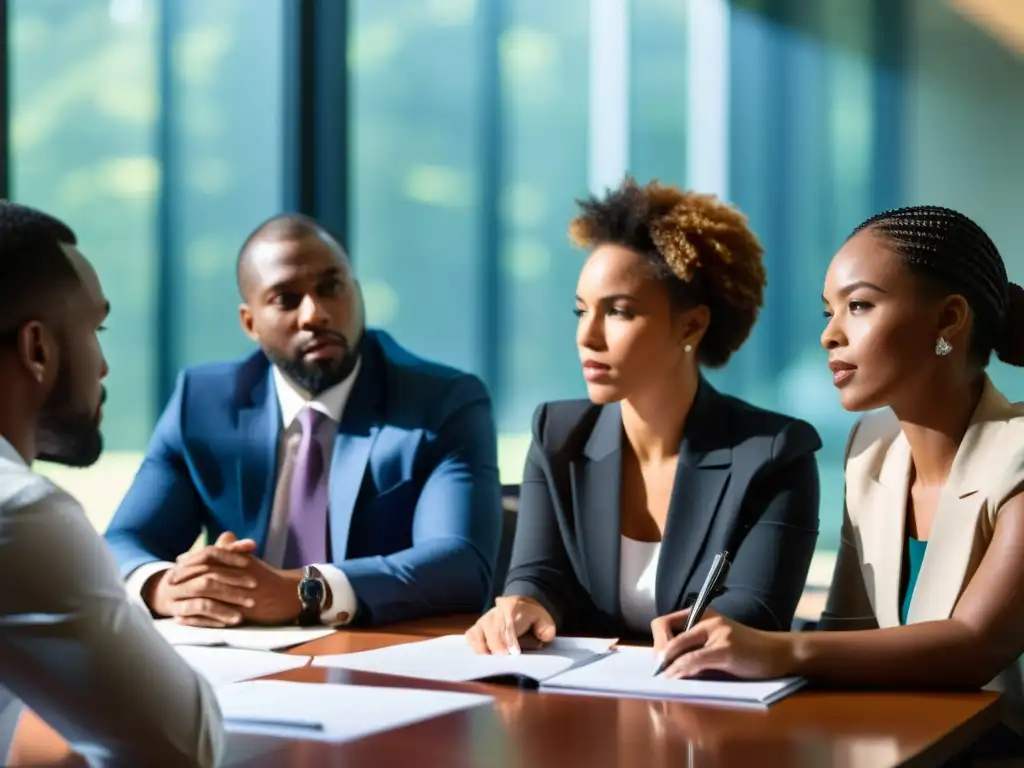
913	557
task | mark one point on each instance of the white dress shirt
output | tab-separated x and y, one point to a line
638	571
331	402
76	651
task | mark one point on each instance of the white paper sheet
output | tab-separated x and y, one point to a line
328	712
627	672
253	638
450	658
233	665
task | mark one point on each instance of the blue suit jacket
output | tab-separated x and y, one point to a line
415	499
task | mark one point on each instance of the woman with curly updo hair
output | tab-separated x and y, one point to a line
628	496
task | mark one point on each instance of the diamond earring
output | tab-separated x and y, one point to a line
943	347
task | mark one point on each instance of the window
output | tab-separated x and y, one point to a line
455	185
84	112
155	131
155	128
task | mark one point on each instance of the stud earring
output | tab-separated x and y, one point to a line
687	348
942	347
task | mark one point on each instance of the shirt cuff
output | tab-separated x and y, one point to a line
343	597
137	579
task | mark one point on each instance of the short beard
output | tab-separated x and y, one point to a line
316	376
66	437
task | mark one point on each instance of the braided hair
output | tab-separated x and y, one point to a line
955	256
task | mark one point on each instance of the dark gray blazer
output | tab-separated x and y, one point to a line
747	482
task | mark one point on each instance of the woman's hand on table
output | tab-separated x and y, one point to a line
513	624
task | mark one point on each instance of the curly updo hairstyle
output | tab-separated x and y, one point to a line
699	247
953	255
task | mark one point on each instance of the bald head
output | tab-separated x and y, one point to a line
284	227
300	301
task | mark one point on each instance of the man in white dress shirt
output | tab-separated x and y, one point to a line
72	647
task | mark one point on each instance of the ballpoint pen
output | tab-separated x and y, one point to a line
719	568
266	722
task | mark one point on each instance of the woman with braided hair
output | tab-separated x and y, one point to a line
929	582
627	496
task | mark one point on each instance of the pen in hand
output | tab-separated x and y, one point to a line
712	584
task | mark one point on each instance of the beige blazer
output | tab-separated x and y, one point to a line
988	470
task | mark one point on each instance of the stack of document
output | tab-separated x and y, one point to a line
566	665
253	638
222	666
450	659
332	712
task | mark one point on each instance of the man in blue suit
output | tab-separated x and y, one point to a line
343	478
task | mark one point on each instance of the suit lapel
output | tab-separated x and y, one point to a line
360	424
885	507
705	463
259	422
947	560
596	487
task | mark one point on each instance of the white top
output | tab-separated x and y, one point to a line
330	402
638	570
75	650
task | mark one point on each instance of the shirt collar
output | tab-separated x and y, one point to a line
330	402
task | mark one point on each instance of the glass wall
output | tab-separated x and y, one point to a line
225	161
84	111
155	127
773	108
155	131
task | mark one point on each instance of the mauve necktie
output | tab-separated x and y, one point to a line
307	521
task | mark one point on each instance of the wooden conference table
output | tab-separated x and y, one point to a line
547	730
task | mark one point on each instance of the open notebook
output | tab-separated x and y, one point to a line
566	665
626	672
449	658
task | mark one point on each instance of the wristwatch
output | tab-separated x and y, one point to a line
312	595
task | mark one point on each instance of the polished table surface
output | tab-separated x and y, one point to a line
542	730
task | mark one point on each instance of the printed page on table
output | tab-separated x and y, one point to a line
450	659
333	712
222	666
252	638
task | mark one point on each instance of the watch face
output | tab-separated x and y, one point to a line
312	591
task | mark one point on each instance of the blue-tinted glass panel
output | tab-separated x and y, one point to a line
415	153
83	121
226	163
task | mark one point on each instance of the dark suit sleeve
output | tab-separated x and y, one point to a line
456	525
539	567
161	516
770	566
